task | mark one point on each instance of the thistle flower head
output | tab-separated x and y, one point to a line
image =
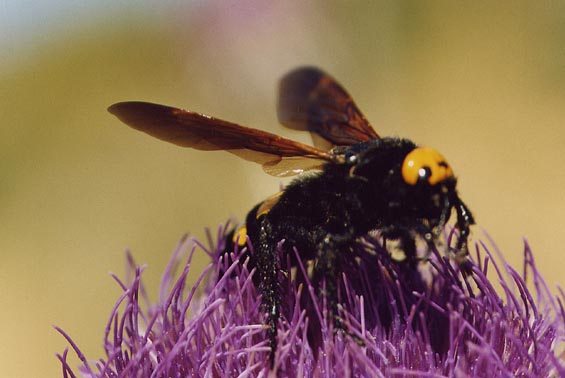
400	322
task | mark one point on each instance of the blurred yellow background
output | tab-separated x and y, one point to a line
482	82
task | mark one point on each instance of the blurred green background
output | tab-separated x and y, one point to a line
483	82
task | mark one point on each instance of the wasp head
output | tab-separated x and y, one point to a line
412	187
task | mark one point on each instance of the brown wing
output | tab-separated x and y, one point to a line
310	99
189	129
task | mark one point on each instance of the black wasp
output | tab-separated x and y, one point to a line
359	181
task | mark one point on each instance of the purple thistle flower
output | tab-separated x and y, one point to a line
400	323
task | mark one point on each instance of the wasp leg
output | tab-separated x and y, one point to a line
464	221
328	267
267	265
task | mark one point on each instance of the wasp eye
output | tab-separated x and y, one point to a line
425	164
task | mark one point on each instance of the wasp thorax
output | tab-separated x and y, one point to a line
425	164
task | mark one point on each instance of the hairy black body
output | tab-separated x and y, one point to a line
358	182
322	215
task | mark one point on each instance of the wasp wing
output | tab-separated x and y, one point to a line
202	132
310	99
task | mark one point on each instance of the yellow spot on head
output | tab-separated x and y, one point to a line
424	163
240	236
